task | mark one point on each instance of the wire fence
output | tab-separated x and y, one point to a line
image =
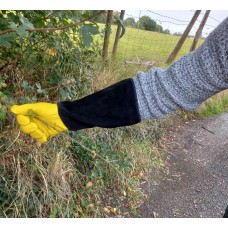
153	48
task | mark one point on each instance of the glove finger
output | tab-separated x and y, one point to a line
39	135
27	129
42	140
23	120
49	128
41	126
46	128
22	109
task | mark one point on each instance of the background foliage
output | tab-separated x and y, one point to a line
51	56
42	57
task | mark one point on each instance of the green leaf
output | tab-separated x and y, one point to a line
20	30
38	85
39	89
24	84
87	31
26	24
24	100
6	39
31	113
27	87
87	39
64	95
54	213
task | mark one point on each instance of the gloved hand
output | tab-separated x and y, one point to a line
39	120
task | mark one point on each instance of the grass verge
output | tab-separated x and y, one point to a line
214	106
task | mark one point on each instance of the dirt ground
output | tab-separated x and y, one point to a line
194	180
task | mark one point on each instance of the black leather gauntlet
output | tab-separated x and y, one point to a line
114	106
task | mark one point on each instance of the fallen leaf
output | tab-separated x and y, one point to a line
106	210
90	206
89	184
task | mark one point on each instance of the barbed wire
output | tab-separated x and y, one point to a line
183	23
131	16
208	16
167	16
181	20
156	46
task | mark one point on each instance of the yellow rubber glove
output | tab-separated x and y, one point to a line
40	120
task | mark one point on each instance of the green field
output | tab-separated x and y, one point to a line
147	45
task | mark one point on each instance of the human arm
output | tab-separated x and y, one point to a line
188	82
184	85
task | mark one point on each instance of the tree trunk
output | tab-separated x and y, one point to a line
107	35
183	37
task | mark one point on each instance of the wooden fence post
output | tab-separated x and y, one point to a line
175	51
118	31
199	30
107	35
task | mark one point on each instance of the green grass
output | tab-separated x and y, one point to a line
147	45
214	106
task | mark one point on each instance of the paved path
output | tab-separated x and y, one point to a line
194	180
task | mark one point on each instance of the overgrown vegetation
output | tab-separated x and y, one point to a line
78	174
90	173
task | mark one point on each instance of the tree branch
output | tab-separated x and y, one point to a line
57	28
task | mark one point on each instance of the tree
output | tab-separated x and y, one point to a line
166	31
130	22
145	22
159	28
107	35
177	34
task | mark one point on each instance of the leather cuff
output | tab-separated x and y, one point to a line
114	106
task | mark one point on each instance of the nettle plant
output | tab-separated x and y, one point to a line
46	54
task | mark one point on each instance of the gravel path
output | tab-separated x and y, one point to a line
194	179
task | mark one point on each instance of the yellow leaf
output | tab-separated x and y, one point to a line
106	210
113	210
52	51
94	154
129	189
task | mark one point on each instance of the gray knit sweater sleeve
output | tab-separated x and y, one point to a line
189	81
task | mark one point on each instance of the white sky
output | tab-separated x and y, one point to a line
166	18
172	8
